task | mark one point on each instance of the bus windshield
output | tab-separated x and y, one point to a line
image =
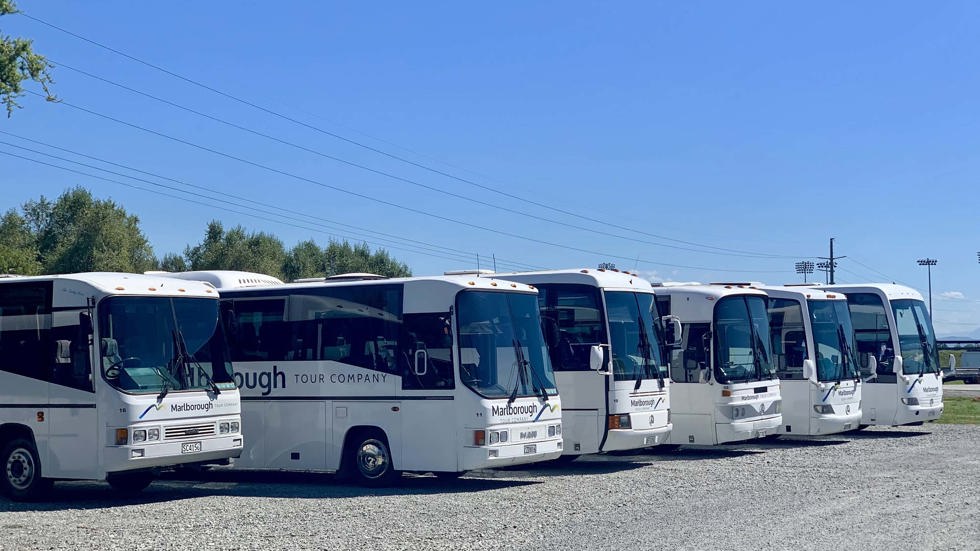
916	340
632	337
157	344
501	351
833	336
741	340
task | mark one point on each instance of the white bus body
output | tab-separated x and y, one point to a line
626	403
724	386
816	361
107	376
894	334
375	377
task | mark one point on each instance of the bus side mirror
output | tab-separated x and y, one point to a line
85	323
597	359
672	331
952	364
421	362
897	365
808	369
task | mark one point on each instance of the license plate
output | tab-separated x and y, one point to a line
530	448
190	447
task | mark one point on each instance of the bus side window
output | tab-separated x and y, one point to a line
426	338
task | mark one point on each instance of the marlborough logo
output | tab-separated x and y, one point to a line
176	408
547	407
157	407
529	409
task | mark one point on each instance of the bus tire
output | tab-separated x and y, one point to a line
22	480
369	461
130	483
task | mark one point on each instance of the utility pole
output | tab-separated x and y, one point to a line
830	264
928	263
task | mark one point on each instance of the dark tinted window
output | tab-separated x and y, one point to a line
572	321
26	347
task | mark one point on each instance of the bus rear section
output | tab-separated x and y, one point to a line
897	351
724	382
111	377
816	360
374	377
605	343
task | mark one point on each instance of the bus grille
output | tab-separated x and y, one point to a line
183	432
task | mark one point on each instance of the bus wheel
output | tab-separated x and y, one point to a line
22	471
370	460
130	483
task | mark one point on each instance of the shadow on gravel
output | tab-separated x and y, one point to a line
689	454
795	443
871	435
593	465
171	487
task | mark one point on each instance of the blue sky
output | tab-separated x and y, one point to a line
688	141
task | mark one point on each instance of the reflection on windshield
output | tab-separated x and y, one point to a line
633	339
741	338
154	344
916	340
833	336
502	353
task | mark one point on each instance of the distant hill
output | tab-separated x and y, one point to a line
971	336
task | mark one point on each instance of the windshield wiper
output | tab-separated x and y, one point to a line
526	369
182	358
644	349
926	350
521	375
845	352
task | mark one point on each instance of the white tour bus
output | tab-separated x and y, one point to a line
724	386
816	360
107	376
372	377
610	401
897	353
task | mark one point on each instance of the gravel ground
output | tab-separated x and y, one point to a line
884	488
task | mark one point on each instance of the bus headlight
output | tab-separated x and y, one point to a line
153	434
779	407
738	411
494	437
139	435
236	427
551	431
620	421
504	436
823	409
224	427
910	401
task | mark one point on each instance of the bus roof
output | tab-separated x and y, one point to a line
891	291
225	280
605	279
119	283
709	290
801	293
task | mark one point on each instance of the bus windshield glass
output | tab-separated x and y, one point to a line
501	351
632	337
159	345
916	340
833	336
741	340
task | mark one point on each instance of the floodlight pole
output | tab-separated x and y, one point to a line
929	263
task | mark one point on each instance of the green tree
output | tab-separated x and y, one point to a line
237	250
78	233
172	262
18	63
342	258
18	246
306	259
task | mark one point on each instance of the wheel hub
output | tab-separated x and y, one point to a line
20	469
372	460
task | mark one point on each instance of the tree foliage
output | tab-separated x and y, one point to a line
237	249
18	63
75	233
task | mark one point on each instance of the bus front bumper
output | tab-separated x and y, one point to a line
632	439
503	455
148	455
746	430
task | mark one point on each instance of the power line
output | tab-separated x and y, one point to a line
446	256
394	176
321	221
604	223
385	202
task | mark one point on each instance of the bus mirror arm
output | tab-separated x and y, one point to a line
952	365
85	323
872	367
